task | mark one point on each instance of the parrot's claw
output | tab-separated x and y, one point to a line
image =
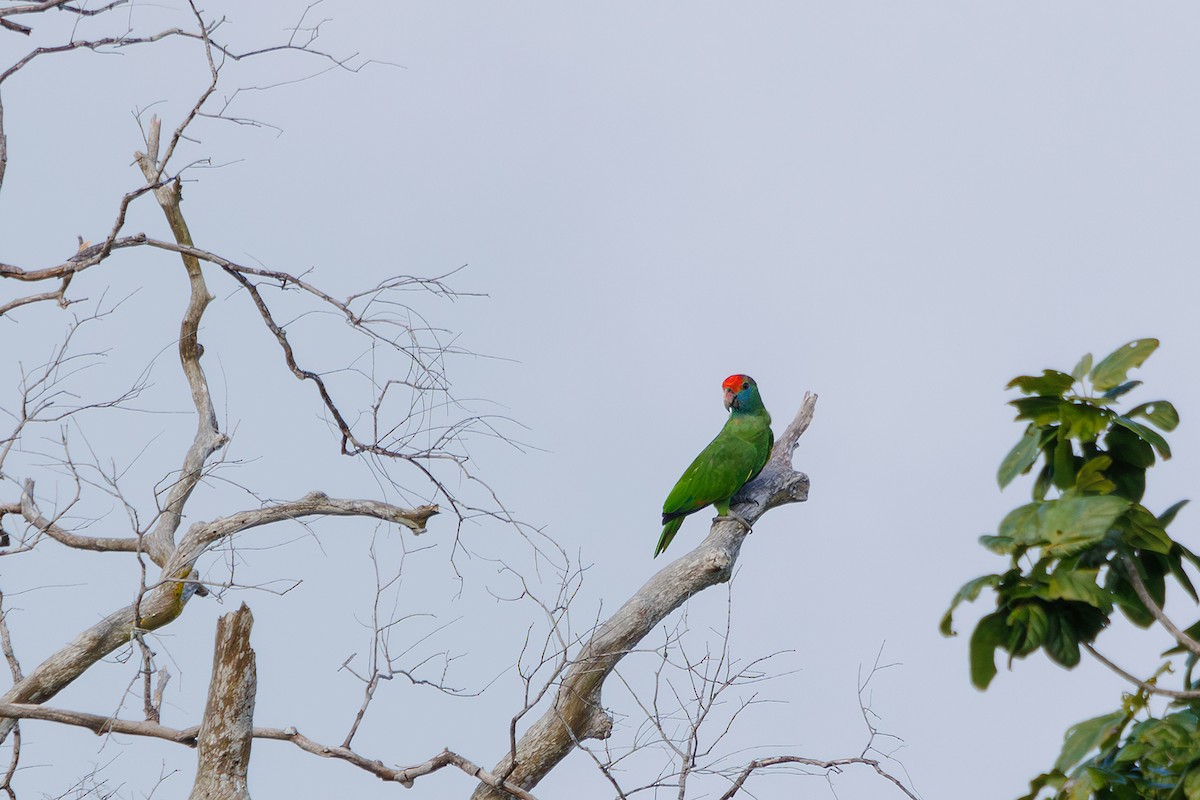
734	517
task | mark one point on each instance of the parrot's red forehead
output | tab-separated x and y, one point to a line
734	382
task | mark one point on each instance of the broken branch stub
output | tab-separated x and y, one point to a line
223	747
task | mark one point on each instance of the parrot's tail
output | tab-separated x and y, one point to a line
669	531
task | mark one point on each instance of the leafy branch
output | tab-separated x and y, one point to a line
1082	549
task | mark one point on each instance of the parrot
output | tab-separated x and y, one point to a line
737	455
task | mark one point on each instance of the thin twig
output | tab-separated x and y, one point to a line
1144	595
834	765
405	776
1141	684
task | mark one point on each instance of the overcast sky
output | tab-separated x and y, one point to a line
898	206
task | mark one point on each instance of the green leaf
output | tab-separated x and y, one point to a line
1054	780
1027	627
1112	370
1147	435
1023	525
1153	567
1000	545
1168	516
1082	367
1085	737
969	592
1020	458
1175	561
989	634
1052	383
1127	600
1085	785
1188	554
1131	751
1124	388
1145	532
1062	641
1090	477
1080	585
1191	784
1064	463
1071	523
1124	445
1041	485
1130	480
1082	421
1038	410
1193	632
1160	414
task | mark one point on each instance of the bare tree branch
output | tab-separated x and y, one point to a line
29	511
32	8
833	764
576	713
164	601
405	776
1145	686
3	145
208	439
8	24
14	666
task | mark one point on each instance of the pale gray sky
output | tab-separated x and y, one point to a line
897	206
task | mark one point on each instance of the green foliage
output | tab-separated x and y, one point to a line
1083	549
1110	373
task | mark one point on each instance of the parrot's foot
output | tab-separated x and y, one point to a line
733	517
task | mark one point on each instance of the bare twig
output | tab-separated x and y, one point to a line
1146	686
3	144
8	24
405	776
14	666
13	761
834	765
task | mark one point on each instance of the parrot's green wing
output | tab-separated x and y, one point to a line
737	454
716	474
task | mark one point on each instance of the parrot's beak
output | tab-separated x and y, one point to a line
730	399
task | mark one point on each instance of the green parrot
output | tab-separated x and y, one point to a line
738	453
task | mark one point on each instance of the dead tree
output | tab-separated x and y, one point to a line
563	682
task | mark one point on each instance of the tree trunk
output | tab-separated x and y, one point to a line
224	744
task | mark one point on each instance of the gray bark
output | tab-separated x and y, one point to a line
223	747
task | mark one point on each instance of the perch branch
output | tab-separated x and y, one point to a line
576	713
